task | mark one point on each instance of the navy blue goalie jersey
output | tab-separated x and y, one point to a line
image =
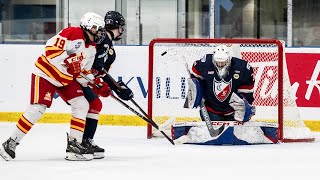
217	91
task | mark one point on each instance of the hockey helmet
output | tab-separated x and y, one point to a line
92	20
114	20
221	59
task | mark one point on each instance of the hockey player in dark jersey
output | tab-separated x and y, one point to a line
105	56
223	87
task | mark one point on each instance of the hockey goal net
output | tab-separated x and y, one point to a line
273	98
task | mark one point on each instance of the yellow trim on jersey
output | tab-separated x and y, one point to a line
64	76
45	71
52	48
36	89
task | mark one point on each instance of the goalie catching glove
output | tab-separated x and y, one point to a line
125	93
243	111
104	89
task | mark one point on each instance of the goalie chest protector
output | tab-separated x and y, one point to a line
218	91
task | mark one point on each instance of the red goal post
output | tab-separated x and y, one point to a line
273	97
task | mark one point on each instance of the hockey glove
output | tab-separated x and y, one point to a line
104	89
73	66
125	93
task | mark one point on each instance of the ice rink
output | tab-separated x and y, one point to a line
131	156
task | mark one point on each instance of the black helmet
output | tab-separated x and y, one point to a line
114	20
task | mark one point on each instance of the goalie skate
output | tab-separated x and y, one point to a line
78	152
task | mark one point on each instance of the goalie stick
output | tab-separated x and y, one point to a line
213	132
148	120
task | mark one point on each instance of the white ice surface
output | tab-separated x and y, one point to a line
40	156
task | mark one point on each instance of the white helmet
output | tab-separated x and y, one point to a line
221	59
92	20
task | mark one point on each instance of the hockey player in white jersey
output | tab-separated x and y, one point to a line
66	54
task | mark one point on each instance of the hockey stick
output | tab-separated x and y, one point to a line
213	132
136	104
148	120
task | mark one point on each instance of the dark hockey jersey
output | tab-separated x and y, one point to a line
104	58
105	55
217	91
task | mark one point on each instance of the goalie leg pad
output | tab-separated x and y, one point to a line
234	134
194	94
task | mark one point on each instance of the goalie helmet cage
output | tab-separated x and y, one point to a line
273	98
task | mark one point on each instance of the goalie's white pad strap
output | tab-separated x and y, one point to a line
194	94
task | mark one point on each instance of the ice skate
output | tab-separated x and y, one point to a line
78	152
7	149
98	152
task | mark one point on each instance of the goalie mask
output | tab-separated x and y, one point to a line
221	60
94	24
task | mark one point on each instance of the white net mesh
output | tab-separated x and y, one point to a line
169	83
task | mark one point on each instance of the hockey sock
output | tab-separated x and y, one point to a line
79	109
91	127
32	114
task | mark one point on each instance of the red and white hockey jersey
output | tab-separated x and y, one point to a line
68	43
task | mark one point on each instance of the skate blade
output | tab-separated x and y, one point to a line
4	154
78	157
98	155
181	140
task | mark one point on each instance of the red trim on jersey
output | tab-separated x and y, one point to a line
75	33
52	51
195	71
246	87
72	33
218	112
50	70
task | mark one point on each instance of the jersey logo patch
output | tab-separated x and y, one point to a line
222	89
47	97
